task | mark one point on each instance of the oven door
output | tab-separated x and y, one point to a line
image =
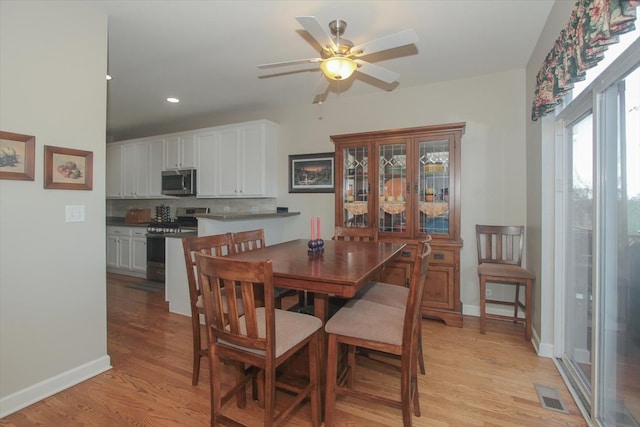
155	257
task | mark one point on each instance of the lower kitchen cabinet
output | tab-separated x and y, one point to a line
127	250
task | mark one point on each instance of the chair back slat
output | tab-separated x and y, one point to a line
500	244
356	234
239	281
251	240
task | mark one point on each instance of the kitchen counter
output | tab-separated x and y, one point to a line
117	220
275	227
241	216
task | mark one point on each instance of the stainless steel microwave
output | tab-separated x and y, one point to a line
179	182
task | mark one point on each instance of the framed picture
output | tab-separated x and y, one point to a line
67	168
17	156
311	173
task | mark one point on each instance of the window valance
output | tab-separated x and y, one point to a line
593	25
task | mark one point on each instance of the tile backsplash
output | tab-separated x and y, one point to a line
118	208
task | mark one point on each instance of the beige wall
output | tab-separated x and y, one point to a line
540	183
52	273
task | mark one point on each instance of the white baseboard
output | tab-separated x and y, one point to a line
542	349
32	394
474	310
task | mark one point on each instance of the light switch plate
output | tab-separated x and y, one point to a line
74	213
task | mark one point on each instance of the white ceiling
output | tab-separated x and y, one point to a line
206	52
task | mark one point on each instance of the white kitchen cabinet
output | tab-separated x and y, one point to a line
114	171
139	250
126	250
135	173
208	146
180	152
156	166
246	164
236	160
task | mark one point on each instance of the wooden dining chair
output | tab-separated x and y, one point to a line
218	245
262	338
394	296
383	328
356	234
500	261
251	240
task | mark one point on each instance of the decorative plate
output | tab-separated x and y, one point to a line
395	187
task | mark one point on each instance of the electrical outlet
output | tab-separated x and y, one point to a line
488	292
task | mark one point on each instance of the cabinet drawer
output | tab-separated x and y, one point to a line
139	232
119	231
442	256
408	254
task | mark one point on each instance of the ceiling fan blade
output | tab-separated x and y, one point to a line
313	27
388	42
376	71
323	85
321	90
294	62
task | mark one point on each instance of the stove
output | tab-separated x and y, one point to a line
185	220
164	227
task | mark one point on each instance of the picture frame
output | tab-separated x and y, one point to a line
17	156
312	173
67	168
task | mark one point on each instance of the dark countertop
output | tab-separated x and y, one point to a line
115	220
239	216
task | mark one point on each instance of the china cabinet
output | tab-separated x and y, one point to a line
406	182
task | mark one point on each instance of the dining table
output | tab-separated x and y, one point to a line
342	269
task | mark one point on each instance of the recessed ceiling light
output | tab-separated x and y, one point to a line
174	100
108	77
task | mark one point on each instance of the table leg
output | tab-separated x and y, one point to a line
321	311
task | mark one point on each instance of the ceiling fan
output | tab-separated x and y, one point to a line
339	57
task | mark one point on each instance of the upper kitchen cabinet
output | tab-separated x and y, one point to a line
246	160
237	160
406	182
128	170
114	171
134	169
156	166
208	146
135	159
180	152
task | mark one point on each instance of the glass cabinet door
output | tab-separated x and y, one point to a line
433	187
356	186
393	188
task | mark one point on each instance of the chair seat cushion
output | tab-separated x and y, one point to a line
291	329
504	270
368	320
385	293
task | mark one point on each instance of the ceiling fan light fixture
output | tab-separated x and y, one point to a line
338	67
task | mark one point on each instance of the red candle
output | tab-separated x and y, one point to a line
318	230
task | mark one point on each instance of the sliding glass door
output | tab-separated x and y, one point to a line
598	262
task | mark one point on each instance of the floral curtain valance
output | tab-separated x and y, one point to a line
593	25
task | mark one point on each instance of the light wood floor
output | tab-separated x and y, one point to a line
472	379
